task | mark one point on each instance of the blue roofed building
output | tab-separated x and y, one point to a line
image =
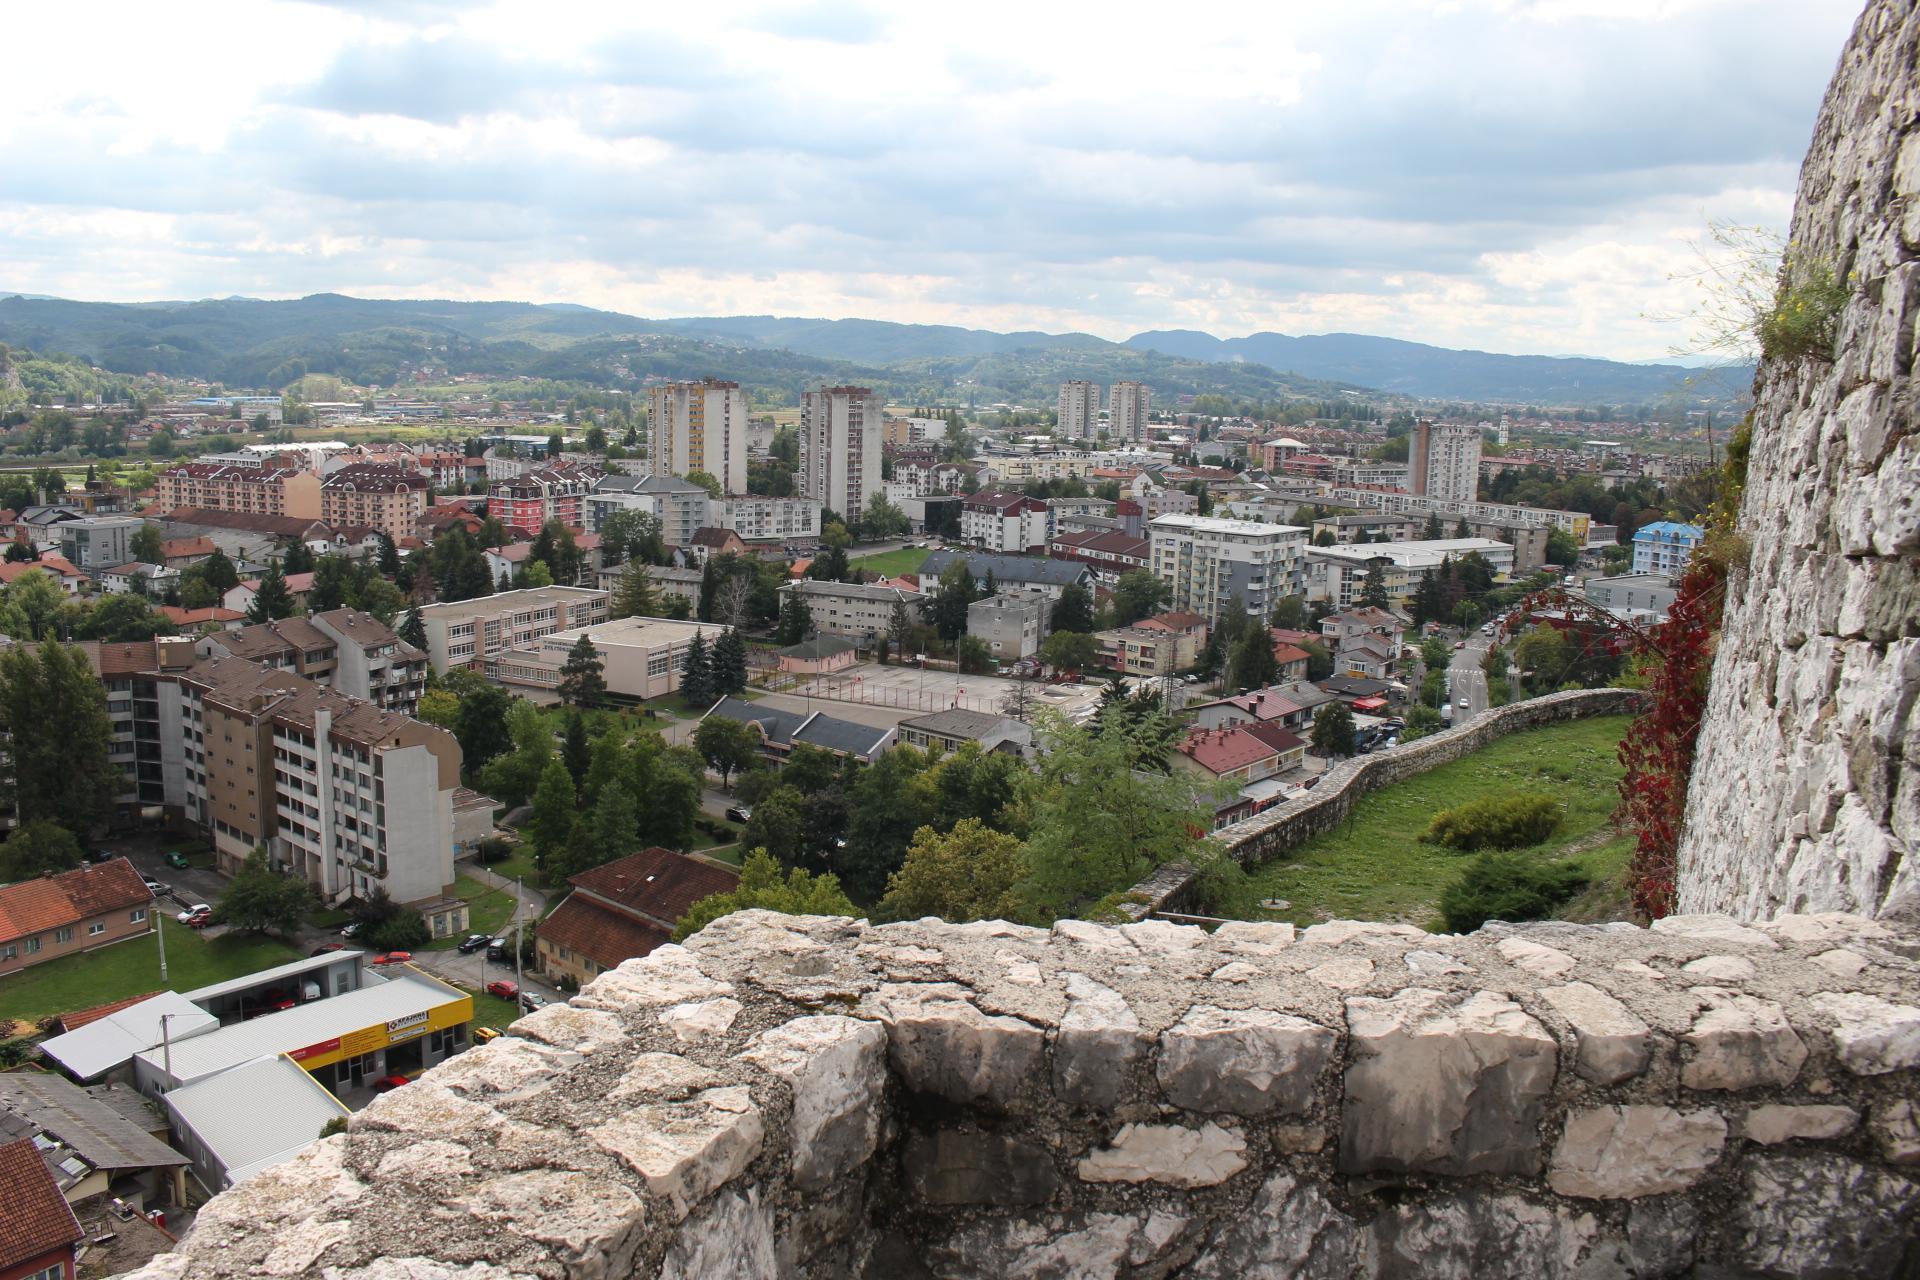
1665	546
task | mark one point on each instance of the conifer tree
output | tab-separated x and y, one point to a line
696	682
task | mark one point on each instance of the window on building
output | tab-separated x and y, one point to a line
63	934
139	914
96	928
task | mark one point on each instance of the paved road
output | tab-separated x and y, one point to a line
1469	681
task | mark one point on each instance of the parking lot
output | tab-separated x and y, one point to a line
914	691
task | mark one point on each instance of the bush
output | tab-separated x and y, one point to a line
1497	822
1806	312
1509	886
494	849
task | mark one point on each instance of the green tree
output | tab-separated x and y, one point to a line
1290	613
553	811
1434	654
30	606
696	679
332	583
636	596
970	873
975	659
1373	591
1512	886
670	801
777	824
1319	660
1333	729
389	556
727	745
53	714
1138	594
765	886
1073	611
146	545
37	849
615	824
219	572
1253	665
297	558
575	750
796	619
122	618
262	900
882	519
729	663
705	481
272	600
1069	651
1562	549
512	776
950	600
413	629
481	725
582	683
1543	653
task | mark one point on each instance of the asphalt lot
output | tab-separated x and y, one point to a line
913	691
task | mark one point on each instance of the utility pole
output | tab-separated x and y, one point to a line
517	978
160	932
166	1046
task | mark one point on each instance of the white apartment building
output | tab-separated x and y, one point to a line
860	612
1338	574
1208	561
1127	405
1020	468
1451	510
1005	522
682	507
1445	461
699	426
641	657
840	436
1079	410
463	633
761	519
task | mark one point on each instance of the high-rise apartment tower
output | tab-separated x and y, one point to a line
840	430
699	426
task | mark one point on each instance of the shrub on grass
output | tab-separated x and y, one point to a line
1496	822
1509	886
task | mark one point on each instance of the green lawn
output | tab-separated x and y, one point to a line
488	909
132	967
891	564
1375	868
516	866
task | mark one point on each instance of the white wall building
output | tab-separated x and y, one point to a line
761	519
840	435
699	426
1208	561
1079	409
463	632
1445	461
1338	574
1127	405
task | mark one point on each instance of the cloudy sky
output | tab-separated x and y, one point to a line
1500	174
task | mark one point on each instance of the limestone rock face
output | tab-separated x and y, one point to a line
1740	1042
1290	1229
1246	1061
1867	1217
1622	1153
837	1068
1611	1043
1805	794
1442	1084
1098	1041
1173	1155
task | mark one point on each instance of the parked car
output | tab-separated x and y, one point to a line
500	951
740	813
483	1034
157	889
474	942
532	1001
1459	644
197	909
200	921
387	1084
350	928
102	855
502	988
326	947
1465	704
178	860
392	957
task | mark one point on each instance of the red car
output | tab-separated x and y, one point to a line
387	1084
199	919
392	957
502	988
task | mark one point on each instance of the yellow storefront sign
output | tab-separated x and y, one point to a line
370	1039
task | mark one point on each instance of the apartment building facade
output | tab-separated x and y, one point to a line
762	519
860	612
1451	510
640	658
262	490
1003	522
342	649
681	507
463	633
1128	404
1337	575
840	436
1012	625
96	543
1079	415
699	426
1665	546
1445	461
1207	562
528	502
378	495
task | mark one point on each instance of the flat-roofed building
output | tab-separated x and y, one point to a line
840	431
861	612
699	426
1337	575
462	633
955	727
244	1121
1209	562
641	657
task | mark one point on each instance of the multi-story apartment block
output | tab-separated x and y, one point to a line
94	543
527	502
263	490
1079	417
641	657
1365	474
346	795
1450	510
1023	468
1665	546
342	649
383	496
1005	522
759	519
1445	461
681	507
840	432
861	612
1109	552
143	718
1208	562
1127	407
461	633
1338	575
1037	574
699	426
1011	624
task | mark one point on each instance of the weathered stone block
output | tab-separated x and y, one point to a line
1444	1084
1611	1044
1291	1229
686	1150
1740	1042
1096	1046
1871	1036
836	1068
1774	1123
1479	1235
1896	1132
1866	1218
1535	957
1250	1062
1170	1154
1622	1153
667	975
955	1167
951	1049
583	1217
701	1019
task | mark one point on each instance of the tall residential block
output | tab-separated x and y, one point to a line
1208	562
1079	409
840	430
1127	404
701	426
1445	461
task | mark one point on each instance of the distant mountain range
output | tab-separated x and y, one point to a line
245	342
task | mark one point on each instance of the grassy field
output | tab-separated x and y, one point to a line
133	967
488	909
1375	868
891	564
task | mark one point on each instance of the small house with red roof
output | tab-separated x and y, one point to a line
38	1232
624	909
1233	754
64	913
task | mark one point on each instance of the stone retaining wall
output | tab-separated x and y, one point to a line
813	1097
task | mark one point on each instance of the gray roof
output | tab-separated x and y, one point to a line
1053	573
247	981
957	722
256	1115
778	725
842	735
622	483
857	590
109	1042
97	1132
818	647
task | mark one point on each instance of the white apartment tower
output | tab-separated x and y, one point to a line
1208	562
1079	409
699	426
840	431
1127	411
1445	462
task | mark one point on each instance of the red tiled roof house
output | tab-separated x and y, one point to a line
73	911
624	909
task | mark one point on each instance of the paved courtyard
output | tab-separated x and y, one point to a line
912	691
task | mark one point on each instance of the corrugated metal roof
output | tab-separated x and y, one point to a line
291	969
256	1115
109	1042
307	1024
96	1132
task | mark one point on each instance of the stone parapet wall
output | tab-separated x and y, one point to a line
1806	792
811	1097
